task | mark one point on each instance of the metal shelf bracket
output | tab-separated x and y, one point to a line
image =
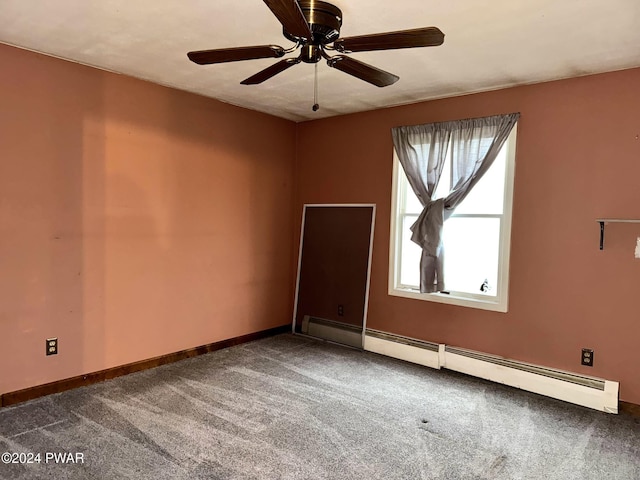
602	222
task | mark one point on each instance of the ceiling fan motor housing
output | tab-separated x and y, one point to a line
325	21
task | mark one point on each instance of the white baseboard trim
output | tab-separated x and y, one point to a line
590	392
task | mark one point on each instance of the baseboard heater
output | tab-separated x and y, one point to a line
570	387
332	331
579	389
403	348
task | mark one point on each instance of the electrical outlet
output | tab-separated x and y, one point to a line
587	357
52	346
340	310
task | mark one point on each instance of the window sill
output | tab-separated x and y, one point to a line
494	305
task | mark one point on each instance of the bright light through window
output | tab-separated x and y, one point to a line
476	237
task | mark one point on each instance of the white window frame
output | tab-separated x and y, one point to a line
498	303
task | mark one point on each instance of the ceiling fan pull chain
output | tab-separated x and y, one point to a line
315	107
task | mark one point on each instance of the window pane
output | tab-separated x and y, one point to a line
471	254
487	196
411	253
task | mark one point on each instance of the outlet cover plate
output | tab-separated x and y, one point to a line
587	357
52	346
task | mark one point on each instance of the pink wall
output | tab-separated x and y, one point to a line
135	220
578	158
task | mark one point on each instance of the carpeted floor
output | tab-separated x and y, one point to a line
292	408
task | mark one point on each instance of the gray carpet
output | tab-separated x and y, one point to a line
292	408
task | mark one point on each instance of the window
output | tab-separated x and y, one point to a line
476	237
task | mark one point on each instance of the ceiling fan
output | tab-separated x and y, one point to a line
313	26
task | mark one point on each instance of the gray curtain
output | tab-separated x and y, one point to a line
422	150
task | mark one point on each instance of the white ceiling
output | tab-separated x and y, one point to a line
487	45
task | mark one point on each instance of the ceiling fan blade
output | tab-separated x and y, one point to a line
271	71
418	37
290	15
361	70
222	55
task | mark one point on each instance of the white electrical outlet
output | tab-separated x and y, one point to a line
638	248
